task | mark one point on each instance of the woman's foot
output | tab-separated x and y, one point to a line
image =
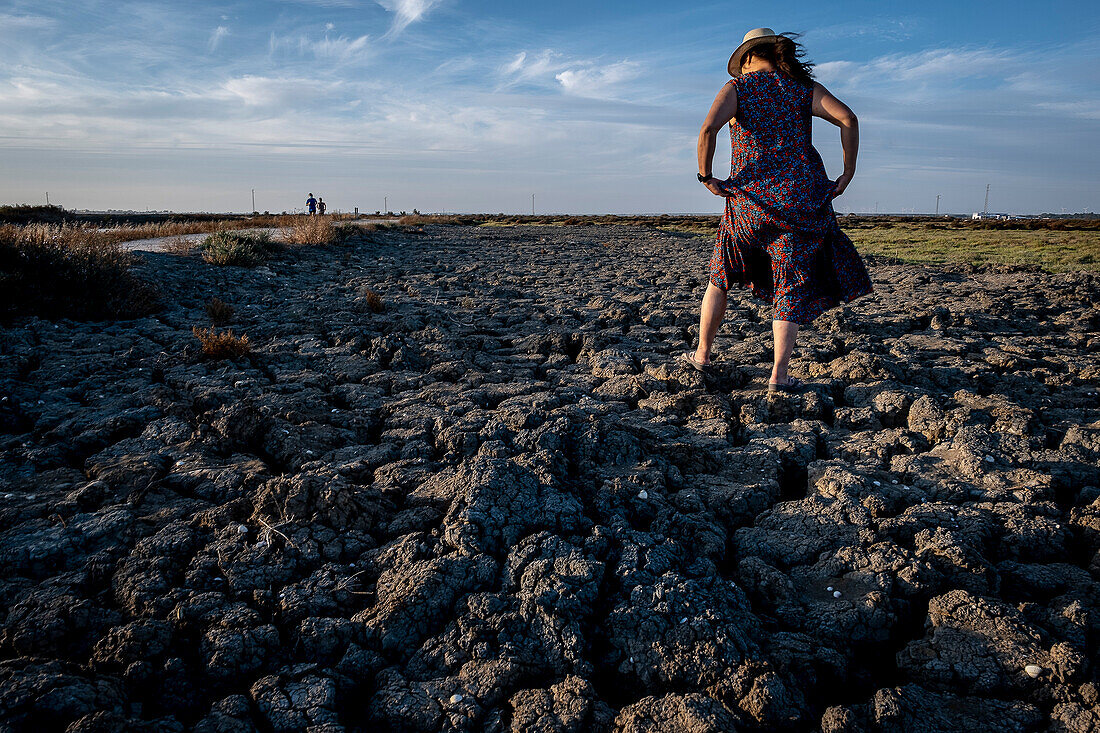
692	358
792	384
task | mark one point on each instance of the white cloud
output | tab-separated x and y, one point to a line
516	64
905	72
596	81
578	77
525	67
216	37
1087	109
407	12
890	29
340	48
10	21
283	93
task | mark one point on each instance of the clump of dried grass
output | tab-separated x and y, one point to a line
68	271
316	230
222	344
237	248
180	245
310	230
219	311
372	300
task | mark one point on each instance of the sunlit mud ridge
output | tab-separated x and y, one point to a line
495	502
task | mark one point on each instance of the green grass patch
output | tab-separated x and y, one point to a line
1051	250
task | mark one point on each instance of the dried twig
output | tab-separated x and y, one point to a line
342	585
268	529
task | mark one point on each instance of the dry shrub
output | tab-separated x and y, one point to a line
310	230
236	248
180	246
219	311
68	271
222	344
373	301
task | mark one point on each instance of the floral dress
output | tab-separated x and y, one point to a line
779	235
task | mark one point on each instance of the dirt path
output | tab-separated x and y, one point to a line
162	244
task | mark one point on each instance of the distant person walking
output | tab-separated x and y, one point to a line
321	206
779	235
311	205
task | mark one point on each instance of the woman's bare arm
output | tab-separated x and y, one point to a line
828	107
721	112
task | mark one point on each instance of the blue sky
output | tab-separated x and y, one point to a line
466	105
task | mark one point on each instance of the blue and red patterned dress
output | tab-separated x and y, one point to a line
779	235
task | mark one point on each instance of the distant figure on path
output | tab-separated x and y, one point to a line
311	205
321	206
779	235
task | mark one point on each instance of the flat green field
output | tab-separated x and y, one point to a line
1055	251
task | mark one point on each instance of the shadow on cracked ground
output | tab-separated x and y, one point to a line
501	504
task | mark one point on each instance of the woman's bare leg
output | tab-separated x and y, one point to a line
710	317
784	334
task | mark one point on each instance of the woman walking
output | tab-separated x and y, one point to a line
779	235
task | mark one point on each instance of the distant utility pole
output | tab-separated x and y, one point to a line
876	207
386	204
47	198
985	209
532	204
253	199
937	204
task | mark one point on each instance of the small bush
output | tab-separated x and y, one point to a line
310	230
235	248
219	311
222	344
373	301
68	271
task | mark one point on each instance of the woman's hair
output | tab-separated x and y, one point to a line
787	55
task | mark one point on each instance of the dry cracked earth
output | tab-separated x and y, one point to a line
502	505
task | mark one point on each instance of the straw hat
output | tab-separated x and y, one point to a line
755	37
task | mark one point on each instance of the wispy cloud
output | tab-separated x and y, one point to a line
580	77
277	92
905	72
216	37
526	67
11	21
888	29
407	12
596	81
338	48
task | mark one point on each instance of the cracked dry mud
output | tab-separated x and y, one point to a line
502	505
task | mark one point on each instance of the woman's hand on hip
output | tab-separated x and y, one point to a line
841	183
713	187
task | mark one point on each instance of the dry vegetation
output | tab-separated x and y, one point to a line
236	248
1051	250
373	301
312	230
65	271
222	344
219	311
1054	245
